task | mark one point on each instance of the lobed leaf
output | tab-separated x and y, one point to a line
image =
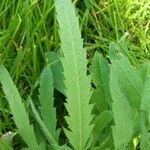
48	112
76	81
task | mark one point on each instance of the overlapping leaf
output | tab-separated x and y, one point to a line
122	112
48	112
129	80
100	76
145	101
54	62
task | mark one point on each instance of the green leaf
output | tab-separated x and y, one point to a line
145	140
48	112
76	81
129	80
123	129
145	100
98	98
144	71
101	122
100	70
54	62
51	139
100	75
5	145
145	134
45	130
20	115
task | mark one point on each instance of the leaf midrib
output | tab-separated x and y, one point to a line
78	87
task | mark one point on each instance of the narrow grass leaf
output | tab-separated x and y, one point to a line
76	81
89	3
